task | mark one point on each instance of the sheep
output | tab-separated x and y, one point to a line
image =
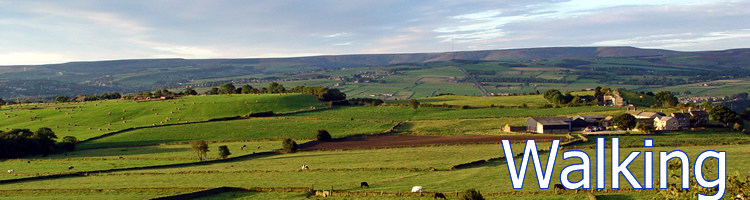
364	184
439	195
323	193
10	171
305	167
416	189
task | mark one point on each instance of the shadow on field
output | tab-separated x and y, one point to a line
502	162
113	152
86	146
614	196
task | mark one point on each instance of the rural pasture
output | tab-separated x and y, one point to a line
427	147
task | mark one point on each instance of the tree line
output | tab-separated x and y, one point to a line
18	143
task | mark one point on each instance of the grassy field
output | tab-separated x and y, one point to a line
487	177
89	119
41	195
397	113
249	129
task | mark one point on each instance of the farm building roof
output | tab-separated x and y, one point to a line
552	120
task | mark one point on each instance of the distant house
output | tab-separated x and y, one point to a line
700	116
666	124
548	124
509	128
614	100
647	117
606	122
683	120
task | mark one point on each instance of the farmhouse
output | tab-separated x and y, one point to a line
666	123
700	116
614	100
647	117
683	120
548	124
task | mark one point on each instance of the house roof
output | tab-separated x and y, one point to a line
551	120
599	117
699	113
649	115
665	119
681	115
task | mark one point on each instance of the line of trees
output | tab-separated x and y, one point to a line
18	143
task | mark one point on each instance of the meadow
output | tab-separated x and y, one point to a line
84	120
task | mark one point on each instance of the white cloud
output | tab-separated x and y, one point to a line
31	58
338	35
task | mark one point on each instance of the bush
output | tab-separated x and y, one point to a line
471	194
289	146
323	135
224	151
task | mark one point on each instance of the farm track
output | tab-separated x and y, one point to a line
481	89
389	141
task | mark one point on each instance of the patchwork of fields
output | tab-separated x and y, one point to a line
157	161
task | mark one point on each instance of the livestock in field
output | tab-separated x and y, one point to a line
70	168
10	171
364	184
416	189
305	167
439	195
559	186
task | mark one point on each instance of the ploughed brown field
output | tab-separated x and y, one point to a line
416	140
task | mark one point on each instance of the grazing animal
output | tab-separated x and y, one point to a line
416	189
439	195
28	162
559	186
364	184
740	197
323	193
10	171
258	147
70	168
305	167
243	147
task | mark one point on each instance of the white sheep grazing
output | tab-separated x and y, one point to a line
10	171
416	189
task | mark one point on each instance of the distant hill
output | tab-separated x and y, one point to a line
94	77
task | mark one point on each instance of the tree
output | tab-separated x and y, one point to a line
289	146
213	91
706	105
61	99
247	89
471	194
576	101
323	135
414	104
332	95
722	113
598	92
200	147
274	88
2	102
645	128
69	139
226	88
190	91
624	121
666	98
224	151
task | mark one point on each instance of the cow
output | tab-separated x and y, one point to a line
439	195
70	168
305	167
559	186
10	171
364	184
416	189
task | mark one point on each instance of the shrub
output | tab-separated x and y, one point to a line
471	194
224	151
289	146
323	135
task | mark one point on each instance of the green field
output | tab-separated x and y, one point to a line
387	170
249	129
89	119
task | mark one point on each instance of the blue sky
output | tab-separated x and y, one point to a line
40	32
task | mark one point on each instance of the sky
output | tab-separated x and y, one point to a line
58	31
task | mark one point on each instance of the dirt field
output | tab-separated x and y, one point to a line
414	140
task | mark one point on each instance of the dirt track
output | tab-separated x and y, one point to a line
414	140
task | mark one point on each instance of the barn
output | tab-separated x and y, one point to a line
548	124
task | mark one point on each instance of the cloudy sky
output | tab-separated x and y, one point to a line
39	32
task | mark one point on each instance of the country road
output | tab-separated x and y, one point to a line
481	89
